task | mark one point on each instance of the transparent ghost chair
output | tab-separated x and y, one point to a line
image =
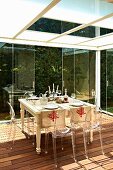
54	123
89	119
13	125
94	124
12	130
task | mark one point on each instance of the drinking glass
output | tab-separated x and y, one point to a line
30	94
73	96
59	92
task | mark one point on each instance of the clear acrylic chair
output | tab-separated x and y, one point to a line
54	123
12	129
13	125
93	125
89	119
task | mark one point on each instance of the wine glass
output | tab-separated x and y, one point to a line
73	96
30	94
59	92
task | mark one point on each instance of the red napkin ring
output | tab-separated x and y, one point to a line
80	111
53	115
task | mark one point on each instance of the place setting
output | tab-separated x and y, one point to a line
51	106
74	102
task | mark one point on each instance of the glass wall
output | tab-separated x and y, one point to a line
5	73
27	68
79	73
17	75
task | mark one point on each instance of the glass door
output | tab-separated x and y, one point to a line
17	75
79	73
82	74
109	80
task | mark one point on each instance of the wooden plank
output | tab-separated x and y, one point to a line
4	164
24	157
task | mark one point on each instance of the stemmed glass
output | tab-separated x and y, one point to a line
30	94
59	92
73	96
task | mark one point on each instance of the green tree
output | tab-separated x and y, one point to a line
48	68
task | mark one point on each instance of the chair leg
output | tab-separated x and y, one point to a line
62	143
73	145
85	143
101	142
54	151
75	131
14	132
88	137
10	132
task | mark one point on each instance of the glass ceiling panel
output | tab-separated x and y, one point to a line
56	26
79	11
64	16
16	14
69	39
100	41
36	35
52	26
86	32
46	25
105	31
44	36
76	13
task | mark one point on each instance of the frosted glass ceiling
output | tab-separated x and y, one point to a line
16	16
81	11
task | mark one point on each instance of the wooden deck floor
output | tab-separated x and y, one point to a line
24	157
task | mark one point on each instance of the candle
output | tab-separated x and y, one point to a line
57	87
53	88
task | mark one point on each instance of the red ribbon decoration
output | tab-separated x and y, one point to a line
53	115
80	111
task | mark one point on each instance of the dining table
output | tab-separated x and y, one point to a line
36	108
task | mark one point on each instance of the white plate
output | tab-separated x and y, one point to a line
51	106
76	104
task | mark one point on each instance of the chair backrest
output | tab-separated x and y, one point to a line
12	112
97	116
88	116
53	118
80	114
